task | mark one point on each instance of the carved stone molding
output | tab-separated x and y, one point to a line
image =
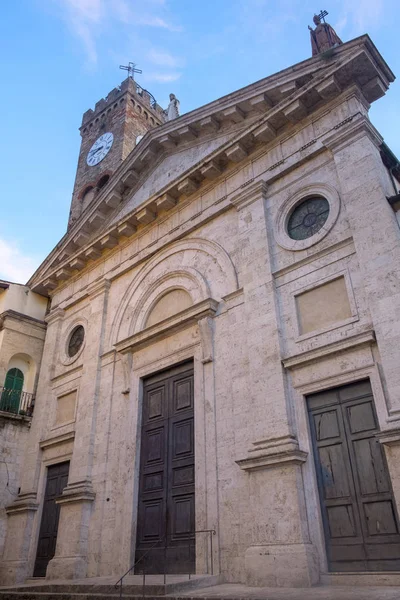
24	503
182	320
389	437
250	193
79	491
273	452
57	440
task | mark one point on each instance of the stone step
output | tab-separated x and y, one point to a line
105	587
361	578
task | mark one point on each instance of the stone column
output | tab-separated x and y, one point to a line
280	552
20	547
70	560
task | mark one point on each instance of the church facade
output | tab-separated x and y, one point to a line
220	388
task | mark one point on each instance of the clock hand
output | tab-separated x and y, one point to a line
92	152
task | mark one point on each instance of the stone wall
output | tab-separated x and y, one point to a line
14	431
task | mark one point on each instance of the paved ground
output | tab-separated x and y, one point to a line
237	591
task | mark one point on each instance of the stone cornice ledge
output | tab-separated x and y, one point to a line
183	319
358	339
389	437
272	453
24	503
56	440
80	491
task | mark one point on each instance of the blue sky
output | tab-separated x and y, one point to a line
60	56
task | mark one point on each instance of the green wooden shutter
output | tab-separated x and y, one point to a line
11	394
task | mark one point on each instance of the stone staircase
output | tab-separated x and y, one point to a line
104	587
197	588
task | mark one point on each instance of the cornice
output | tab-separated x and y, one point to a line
389	437
366	338
79	491
179	321
25	502
14	315
273	452
265	106
57	440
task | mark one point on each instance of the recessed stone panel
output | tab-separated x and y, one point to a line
323	306
65	412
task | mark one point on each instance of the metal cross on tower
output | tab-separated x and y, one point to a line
131	68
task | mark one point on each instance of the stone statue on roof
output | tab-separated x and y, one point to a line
172	111
323	37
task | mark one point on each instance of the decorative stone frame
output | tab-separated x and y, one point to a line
65	358
362	368
345	274
285	210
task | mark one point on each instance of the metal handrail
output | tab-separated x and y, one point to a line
133	566
212	532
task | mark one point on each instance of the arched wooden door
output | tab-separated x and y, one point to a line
12	390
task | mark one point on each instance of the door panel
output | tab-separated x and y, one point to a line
361	525
57	478
166	514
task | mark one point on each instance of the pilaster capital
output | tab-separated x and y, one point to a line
349	131
55	315
98	287
249	193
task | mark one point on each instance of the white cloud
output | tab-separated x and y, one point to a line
14	264
87	19
153	21
164	59
162	77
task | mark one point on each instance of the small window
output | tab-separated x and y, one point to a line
102	181
87	196
76	340
308	218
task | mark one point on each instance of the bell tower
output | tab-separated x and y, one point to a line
109	133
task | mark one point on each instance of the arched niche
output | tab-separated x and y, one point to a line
169	304
200	267
27	366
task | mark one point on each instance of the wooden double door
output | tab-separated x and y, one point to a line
166	511
359	513
57	479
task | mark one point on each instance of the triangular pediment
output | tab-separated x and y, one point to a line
173	160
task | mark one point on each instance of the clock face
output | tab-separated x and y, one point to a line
100	148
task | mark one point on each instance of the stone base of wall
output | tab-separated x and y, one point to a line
286	565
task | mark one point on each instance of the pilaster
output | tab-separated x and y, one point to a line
76	502
355	148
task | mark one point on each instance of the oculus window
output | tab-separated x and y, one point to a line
308	218
76	340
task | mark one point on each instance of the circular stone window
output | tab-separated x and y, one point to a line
305	218
75	341
308	218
